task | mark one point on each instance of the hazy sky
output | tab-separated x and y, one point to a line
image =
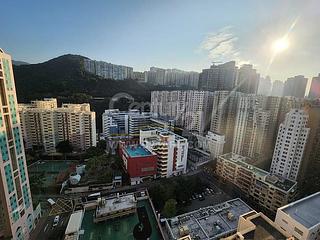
184	34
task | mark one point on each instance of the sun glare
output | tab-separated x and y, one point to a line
280	45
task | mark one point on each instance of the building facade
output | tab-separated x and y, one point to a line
255	127
295	86
277	88
108	70
123	123
138	162
44	125
219	77
310	165
256	226
315	88
265	86
223	118
248	79
172	77
269	191
212	143
171	149
301	219
291	141
16	211
191	109
139	76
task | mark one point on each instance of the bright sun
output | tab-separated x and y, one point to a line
280	45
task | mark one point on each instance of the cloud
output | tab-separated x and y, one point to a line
221	45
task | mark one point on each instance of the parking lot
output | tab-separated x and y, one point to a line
211	196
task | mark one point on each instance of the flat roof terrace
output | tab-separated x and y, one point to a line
211	222
263	230
117	204
305	211
137	151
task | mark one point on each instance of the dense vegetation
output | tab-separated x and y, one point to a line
178	188
65	76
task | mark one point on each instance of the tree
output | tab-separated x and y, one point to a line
64	147
170	209
93	152
102	144
37	182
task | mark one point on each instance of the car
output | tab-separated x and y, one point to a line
201	197
56	220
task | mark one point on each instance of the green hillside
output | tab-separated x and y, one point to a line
65	77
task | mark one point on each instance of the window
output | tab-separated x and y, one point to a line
298	231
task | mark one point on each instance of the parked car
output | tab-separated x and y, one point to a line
56	220
201	197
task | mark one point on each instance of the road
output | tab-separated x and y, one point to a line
46	230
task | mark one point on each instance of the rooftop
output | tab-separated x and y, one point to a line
263	230
163	132
116	204
210	222
137	151
74	224
305	211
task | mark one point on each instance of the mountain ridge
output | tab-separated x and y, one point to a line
65	76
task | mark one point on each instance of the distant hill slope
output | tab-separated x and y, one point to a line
18	63
65	76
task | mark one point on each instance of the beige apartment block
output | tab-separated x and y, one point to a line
262	187
44	125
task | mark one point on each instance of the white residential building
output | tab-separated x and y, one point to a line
171	77
191	109
212	143
223	118
265	86
301	219
250	126
277	88
256	126
44	125
123	123
16	211
108	70
171	149
290	145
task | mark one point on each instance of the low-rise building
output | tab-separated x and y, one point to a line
171	150
115	207
73	230
268	190
138	162
209	223
301	218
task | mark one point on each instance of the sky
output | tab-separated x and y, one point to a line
183	34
